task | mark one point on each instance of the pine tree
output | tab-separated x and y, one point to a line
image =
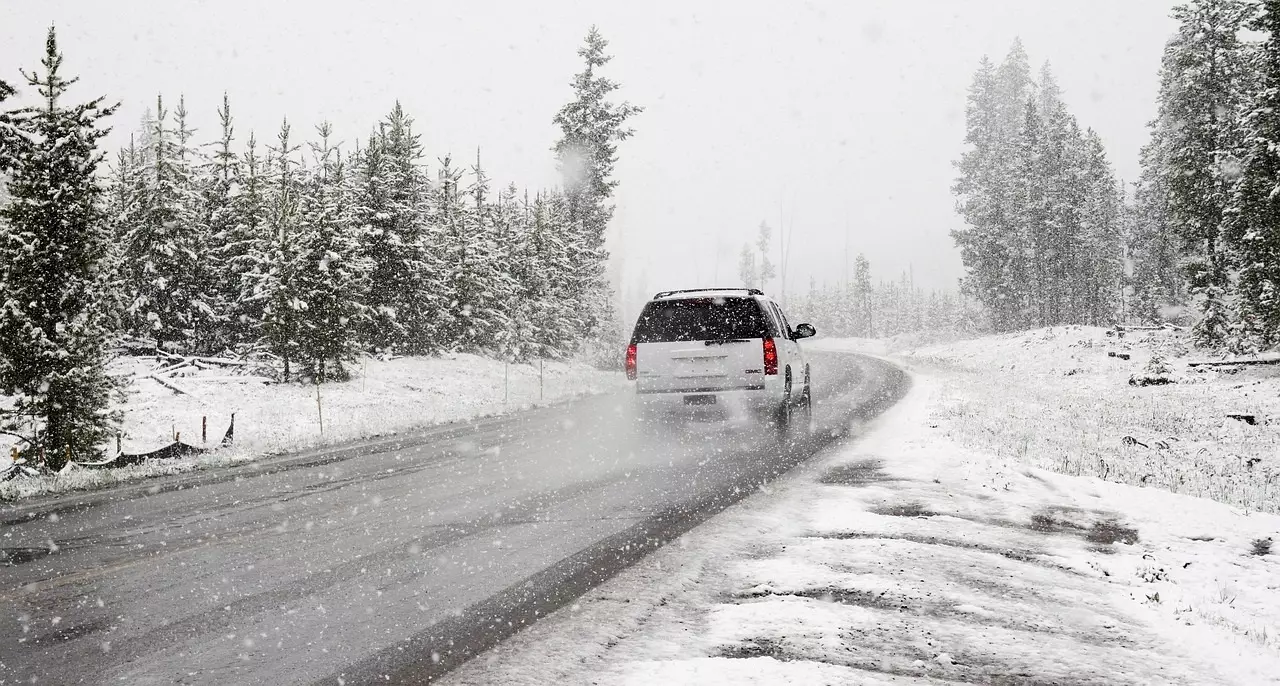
276	268
1099	263
232	240
165	242
239	251
8	140
864	323
391	206
981	201
748	270
53	248
767	270
994	190
1254	224
472	274
1061	265
1202	88
1153	247
330	274
591	127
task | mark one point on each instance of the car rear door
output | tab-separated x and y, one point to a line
700	345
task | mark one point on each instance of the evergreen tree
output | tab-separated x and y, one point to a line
330	274
1099	264
1202	88
164	244
591	127
1154	249
53	249
1255	222
232	240
1041	243
391	207
864	322
276	268
748	270
239	250
767	270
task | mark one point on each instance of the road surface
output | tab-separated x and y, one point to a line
389	561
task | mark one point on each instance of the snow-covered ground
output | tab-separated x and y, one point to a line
383	398
1056	398
927	553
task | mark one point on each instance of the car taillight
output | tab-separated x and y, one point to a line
631	362
770	357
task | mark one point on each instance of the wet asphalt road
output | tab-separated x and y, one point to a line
388	561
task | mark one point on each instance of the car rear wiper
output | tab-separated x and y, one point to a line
722	341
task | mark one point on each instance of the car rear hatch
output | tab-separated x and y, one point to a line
700	345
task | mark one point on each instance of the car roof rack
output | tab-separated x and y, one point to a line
749	291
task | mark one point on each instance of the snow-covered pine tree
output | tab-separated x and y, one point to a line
472	273
331	276
277	265
165	268
864	322
121	192
247	241
560	318
492	285
1154	248
992	190
978	186
1202	89
767	271
591	127
1059	264
1026	235
1098	263
231	240
513	237
53	248
207	311
1254	224
392	207
748	270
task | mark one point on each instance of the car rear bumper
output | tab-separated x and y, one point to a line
709	402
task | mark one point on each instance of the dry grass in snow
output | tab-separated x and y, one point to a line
1055	398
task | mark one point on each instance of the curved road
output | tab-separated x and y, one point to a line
388	561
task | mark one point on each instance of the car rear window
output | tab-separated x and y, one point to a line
700	319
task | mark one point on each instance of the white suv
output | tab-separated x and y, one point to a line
729	351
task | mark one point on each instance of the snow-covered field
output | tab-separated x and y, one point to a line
927	552
1055	398
384	397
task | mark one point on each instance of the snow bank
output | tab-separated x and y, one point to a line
382	398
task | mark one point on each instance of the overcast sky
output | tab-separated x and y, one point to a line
847	115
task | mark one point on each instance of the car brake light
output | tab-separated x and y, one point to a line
770	357
631	362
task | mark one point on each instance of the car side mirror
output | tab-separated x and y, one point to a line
804	331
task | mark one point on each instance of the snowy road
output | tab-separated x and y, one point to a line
401	564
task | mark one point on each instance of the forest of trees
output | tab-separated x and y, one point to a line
1052	238
861	308
1042	245
292	246
1204	222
